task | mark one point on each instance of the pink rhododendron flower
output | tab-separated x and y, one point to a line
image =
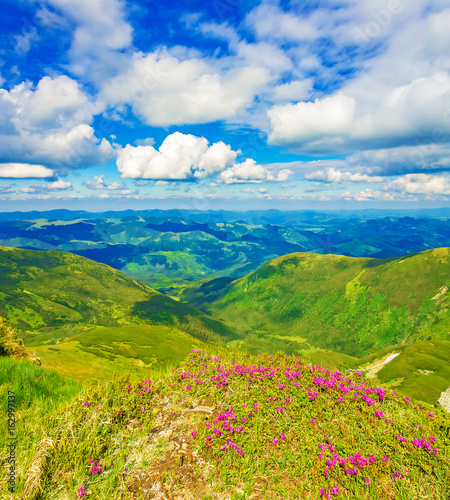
81	492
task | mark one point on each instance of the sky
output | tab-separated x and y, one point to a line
114	104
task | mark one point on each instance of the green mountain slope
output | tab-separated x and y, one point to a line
55	293
170	250
351	305
87	320
137	350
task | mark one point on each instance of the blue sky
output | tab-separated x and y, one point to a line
226	104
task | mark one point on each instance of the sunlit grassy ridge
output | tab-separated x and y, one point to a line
54	300
102	352
236	427
351	305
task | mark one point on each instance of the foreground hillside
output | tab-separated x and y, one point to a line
351	305
259	427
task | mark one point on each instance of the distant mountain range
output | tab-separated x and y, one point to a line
254	216
170	250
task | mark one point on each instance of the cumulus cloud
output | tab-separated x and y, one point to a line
98	182
307	122
421	184
25	40
163	89
24	170
270	22
402	160
101	33
378	107
250	172
54	103
369	195
332	175
50	124
58	185
180	156
6	189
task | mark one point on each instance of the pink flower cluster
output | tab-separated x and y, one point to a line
96	469
81	492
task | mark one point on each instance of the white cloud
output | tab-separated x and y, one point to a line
332	175
100	35
416	112
421	184
180	156
269	21
379	107
25	40
307	122
24	170
163	89
402	160
6	189
58	185
55	103
369	195
149	141
50	124
98	182
250	172
293	91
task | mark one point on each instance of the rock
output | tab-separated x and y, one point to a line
132	423
444	399
166	433
207	409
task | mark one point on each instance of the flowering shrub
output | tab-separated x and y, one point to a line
360	430
276	427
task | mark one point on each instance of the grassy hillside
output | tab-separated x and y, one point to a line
88	321
54	293
259	427
10	344
98	354
350	305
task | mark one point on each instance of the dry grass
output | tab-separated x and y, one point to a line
36	472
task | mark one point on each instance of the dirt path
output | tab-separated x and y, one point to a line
371	371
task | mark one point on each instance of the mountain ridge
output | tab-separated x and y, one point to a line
348	304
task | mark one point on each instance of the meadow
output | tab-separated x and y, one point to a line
231	427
